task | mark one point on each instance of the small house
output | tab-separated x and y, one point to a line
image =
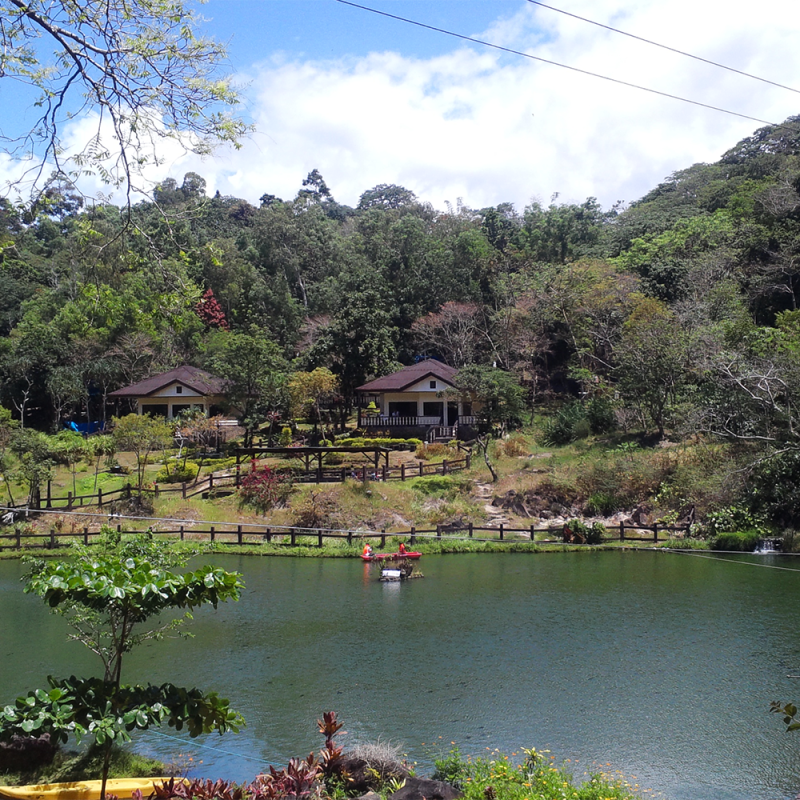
169	393
414	398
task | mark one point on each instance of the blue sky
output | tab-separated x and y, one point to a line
369	100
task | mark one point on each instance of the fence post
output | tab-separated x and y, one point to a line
294	537
52	544
349	537
99	497
19	538
319	537
318	474
444	466
86	535
438	531
469	459
183	490
238	534
470	530
119	527
344	474
181	532
238	473
533	532
403	471
128	491
420	469
364	475
655	532
384	476
268	535
501	531
210	481
212	533
69	501
622	531
413	539
47	501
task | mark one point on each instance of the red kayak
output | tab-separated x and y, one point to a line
384	556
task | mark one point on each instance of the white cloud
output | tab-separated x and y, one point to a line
492	127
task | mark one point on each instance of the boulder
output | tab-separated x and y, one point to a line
425	789
26	753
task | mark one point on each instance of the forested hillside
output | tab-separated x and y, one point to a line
676	315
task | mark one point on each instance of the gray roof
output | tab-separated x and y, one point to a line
408	376
199	380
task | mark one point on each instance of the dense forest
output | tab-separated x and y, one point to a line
673	316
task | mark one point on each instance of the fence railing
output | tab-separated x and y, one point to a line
232	480
294	537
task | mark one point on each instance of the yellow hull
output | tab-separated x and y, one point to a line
123	788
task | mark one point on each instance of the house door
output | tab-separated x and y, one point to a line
452	413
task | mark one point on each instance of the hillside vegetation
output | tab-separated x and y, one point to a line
656	346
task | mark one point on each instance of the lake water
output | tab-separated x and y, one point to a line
661	666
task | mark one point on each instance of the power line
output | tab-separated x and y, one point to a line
563	66
665	47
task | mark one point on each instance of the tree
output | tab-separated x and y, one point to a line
108	595
141	434
652	362
137	63
255	374
495	393
455	332
308	390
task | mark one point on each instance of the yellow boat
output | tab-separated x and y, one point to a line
123	788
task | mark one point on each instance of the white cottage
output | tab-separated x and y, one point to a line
414	397
169	393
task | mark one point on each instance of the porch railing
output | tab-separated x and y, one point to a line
383	421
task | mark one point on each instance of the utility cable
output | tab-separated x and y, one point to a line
565	66
665	47
207	746
728	560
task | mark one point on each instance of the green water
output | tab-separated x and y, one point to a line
661	666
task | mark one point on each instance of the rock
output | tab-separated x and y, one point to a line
26	753
425	789
369	796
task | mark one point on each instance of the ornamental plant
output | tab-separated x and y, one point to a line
109	594
263	488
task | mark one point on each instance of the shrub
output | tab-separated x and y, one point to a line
435	450
285	439
741	542
178	473
512	447
560	429
593	535
438	485
264	488
604	503
600	414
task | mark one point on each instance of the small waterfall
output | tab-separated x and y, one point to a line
768	546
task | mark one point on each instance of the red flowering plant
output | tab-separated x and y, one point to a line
263	488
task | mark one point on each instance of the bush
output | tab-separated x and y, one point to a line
593	535
513	447
438	485
178	473
560	429
264	488
285	439
740	542
379	441
604	503
435	450
600	414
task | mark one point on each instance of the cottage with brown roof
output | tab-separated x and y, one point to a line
169	393
414	397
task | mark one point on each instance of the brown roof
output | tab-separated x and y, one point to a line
199	380
398	381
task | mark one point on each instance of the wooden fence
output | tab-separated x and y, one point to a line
293	537
231	481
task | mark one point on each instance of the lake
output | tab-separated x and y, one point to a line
659	665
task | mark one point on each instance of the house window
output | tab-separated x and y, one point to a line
179	390
433	384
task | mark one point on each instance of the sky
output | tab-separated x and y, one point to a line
370	100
